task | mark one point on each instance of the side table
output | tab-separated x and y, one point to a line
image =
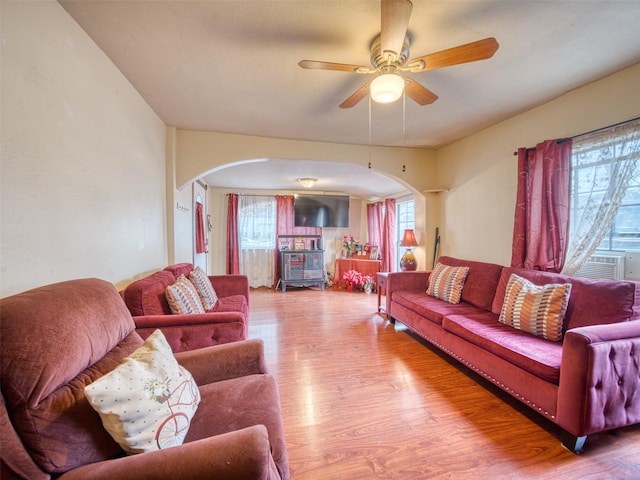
382	283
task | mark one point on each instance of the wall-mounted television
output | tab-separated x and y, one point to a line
321	211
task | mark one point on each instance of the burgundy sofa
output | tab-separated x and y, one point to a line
226	322
587	383
59	338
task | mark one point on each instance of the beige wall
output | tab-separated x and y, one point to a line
83	158
476	215
199	153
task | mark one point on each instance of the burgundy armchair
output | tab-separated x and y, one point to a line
59	338
227	322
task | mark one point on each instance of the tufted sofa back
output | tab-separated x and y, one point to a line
592	302
55	340
481	282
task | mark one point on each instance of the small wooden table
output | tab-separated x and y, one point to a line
382	283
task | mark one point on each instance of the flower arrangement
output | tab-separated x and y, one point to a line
368	283
358	281
353	278
348	245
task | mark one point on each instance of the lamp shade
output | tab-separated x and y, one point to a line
386	88
409	239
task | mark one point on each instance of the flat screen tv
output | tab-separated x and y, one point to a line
321	211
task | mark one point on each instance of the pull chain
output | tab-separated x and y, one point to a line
369	132
404	130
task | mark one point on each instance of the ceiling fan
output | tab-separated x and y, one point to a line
390	56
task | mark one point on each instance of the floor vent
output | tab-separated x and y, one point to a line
603	265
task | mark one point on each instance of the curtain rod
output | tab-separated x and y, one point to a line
256	195
593	131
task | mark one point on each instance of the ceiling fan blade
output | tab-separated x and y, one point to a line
418	93
470	52
341	67
356	96
394	22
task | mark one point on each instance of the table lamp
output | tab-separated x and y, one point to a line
408	261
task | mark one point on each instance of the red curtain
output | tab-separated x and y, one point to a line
233	255
388	251
541	224
285	220
374	224
200	243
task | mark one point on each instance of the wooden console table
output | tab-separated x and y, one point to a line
365	267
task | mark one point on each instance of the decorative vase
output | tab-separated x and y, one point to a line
368	289
349	287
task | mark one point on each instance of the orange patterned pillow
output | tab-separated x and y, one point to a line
446	282
536	309
183	297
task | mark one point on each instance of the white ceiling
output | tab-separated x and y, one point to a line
232	66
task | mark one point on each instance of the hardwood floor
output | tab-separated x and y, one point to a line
365	399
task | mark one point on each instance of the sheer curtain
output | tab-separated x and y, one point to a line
257	238
604	163
541	223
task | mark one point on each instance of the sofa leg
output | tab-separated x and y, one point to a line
572	443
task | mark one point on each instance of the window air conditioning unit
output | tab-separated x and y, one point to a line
608	265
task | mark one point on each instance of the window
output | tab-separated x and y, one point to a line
625	232
606	188
405	218
257	222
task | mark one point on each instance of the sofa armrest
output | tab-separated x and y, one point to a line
223	362
227	285
413	281
600	378
241	454
168	321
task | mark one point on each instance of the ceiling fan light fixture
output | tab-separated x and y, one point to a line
386	88
307	182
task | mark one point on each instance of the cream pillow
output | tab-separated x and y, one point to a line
446	282
146	403
203	285
536	309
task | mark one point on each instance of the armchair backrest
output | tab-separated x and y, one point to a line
146	296
178	269
55	340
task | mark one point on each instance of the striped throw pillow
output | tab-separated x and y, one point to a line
203	285
446	282
536	309
183	297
